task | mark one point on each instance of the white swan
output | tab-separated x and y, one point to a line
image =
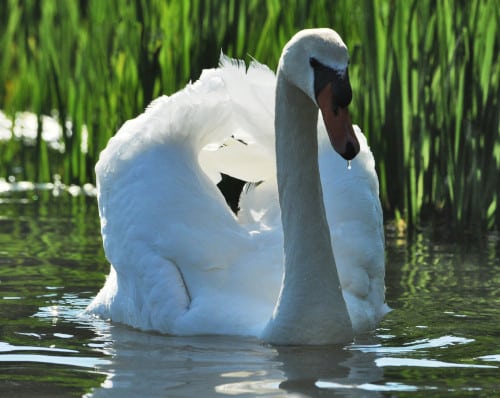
183	264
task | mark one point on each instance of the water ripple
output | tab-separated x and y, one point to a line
71	360
439	342
425	363
85	362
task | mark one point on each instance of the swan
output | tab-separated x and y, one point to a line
303	260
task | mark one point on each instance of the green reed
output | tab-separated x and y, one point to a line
425	76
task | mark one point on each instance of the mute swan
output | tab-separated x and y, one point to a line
182	263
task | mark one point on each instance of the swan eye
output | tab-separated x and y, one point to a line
314	62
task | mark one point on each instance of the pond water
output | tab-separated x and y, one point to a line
441	339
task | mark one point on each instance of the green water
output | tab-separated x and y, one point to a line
441	339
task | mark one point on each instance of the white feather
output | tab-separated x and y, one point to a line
182	263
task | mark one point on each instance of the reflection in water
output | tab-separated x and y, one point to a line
211	365
216	365
311	369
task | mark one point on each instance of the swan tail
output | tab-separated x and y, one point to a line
101	304
154	300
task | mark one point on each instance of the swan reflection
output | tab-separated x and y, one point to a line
206	366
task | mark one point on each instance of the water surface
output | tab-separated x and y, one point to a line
441	339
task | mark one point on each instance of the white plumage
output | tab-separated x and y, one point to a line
181	262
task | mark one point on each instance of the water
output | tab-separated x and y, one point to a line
441	339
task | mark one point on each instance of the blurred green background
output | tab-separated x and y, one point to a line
425	77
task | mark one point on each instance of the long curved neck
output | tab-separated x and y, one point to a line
310	308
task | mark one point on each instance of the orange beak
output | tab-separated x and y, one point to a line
338	124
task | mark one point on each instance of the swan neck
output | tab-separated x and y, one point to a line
307	242
300	194
311	308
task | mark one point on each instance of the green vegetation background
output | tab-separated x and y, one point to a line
425	77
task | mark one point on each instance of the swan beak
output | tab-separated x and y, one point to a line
338	123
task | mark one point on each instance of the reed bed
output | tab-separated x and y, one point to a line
425	77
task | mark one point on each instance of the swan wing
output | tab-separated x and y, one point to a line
181	261
248	152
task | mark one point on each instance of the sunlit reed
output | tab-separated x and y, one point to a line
426	78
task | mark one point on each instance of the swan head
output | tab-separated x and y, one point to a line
316	61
